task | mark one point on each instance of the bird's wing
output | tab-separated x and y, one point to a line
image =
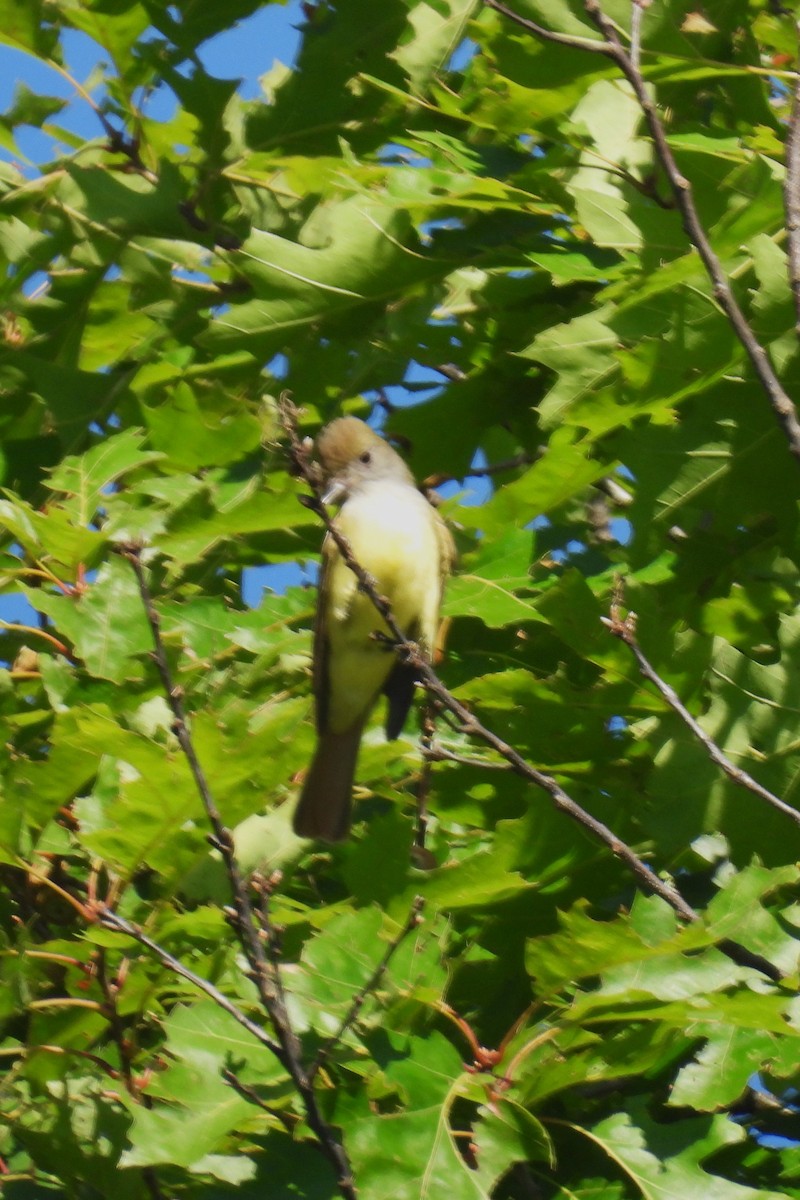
321	651
447	548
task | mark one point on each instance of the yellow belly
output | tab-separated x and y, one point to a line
392	532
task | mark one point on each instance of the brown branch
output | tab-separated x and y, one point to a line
410	653
111	920
637	12
359	1000
262	971
625	630
427	730
450	371
791	197
548	35
125	1050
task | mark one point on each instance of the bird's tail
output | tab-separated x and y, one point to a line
323	810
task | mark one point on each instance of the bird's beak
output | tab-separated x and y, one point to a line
335	492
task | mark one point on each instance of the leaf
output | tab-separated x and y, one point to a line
107	625
85	479
412	1153
673	1168
437	32
352	253
197	1109
486	588
722	1069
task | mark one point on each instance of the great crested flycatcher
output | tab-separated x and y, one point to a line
400	539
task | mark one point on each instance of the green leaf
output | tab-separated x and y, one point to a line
672	1168
107	625
195	1108
85	479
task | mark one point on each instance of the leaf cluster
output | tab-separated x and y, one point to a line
430	203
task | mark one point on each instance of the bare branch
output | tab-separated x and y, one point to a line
250	1093
791	196
636	30
410	653
412	921
427	730
625	631
125	1050
548	35
263	972
615	491
450	371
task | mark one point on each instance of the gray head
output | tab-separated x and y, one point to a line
352	455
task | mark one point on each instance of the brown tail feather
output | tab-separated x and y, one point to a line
323	810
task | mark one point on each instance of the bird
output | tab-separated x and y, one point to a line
400	539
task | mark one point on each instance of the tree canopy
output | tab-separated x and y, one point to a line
554	252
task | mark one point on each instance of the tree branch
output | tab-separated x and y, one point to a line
637	11
791	196
438	753
410	653
625	630
110	920
262	971
548	35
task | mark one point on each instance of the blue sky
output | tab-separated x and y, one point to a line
246	51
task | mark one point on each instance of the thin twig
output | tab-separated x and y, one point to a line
125	1050
791	196
450	371
625	630
427	730
117	1028
437	753
636	30
250	1093
412	921
111	920
410	653
262	972
548	35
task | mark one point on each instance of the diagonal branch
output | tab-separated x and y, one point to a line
263	971
111	920
625	630
549	35
410	653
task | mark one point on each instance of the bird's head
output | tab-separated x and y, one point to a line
352	455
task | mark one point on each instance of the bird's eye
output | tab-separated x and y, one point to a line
366	457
